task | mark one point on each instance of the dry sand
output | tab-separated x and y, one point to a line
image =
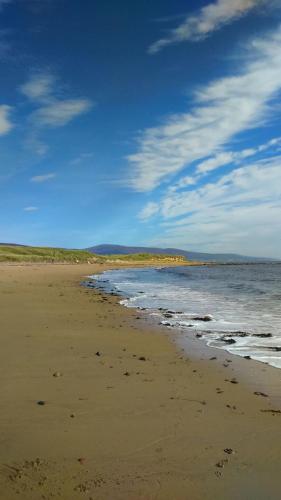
114	426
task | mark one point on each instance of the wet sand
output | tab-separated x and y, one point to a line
124	414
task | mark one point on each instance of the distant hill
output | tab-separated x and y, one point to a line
196	256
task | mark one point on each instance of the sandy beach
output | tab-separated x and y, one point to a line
99	404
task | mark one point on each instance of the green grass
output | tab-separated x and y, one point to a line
45	254
144	257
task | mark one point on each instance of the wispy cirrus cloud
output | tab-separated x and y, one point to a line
39	87
31	209
240	210
52	110
60	113
5	122
207	20
220	110
149	210
43	178
236	157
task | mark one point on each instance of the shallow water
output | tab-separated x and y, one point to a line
233	307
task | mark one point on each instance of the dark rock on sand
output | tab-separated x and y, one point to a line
262	335
41	402
229	451
228	340
273	412
203	318
258	393
221	463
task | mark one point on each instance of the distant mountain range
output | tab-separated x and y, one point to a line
197	256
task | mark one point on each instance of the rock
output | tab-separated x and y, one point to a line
221	463
199	335
126	374
72	415
81	460
262	335
212	359
273	412
57	374
258	393
142	358
247	357
233	381
98	353
228	340
229	451
203	318
167	315
41	402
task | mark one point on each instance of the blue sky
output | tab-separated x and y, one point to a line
141	123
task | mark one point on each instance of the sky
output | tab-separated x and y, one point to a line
141	123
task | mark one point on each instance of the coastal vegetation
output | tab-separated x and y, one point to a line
22	254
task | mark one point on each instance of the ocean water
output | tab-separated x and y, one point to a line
231	307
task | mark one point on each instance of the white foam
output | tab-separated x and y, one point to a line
151	289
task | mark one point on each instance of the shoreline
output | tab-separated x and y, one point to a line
114	425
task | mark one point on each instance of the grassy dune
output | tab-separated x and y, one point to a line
21	254
44	254
145	257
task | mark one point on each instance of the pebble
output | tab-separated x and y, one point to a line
57	374
257	393
221	463
41	403
229	451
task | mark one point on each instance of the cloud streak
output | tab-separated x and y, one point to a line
43	178
221	110
30	209
240	210
205	21
5	122
52	110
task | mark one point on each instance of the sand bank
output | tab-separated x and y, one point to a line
123	414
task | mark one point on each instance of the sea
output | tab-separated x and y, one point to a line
232	307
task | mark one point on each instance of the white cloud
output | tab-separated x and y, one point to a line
43	178
5	122
227	157
60	113
240	212
148	211
52	109
31	209
39	87
207	20
220	111
81	158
